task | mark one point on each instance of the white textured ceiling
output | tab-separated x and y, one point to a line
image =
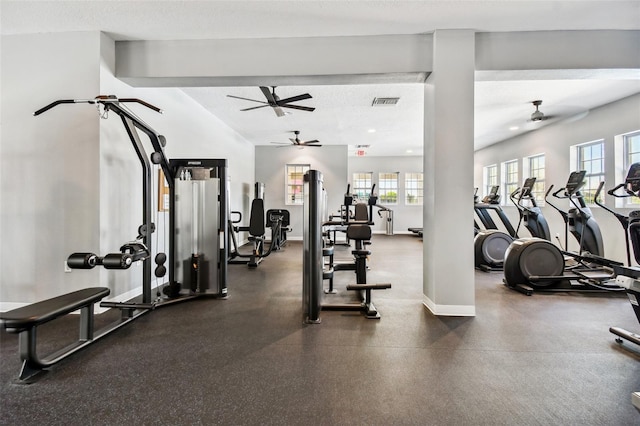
344	114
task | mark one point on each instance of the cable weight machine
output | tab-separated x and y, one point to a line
198	205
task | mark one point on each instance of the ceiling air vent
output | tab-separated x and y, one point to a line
384	101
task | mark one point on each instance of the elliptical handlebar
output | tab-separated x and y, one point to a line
613	190
512	197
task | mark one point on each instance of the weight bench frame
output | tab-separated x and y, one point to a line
25	322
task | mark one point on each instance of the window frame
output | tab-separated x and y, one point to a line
532	170
631	202
383	189
409	181
489	180
588	190
510	179
362	191
288	184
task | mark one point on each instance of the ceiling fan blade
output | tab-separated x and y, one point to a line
279	111
303	108
307	144
248	109
310	142
293	141
267	94
246	99
294	99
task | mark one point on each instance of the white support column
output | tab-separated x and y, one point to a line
448	275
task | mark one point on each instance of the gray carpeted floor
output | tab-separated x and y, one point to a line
539	360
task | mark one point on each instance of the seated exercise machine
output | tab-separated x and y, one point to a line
278	221
537	264
197	212
313	263
491	243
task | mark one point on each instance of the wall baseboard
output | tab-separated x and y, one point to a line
449	310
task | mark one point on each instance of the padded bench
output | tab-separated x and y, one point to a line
25	321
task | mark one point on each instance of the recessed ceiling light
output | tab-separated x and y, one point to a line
371	130
514	128
409	151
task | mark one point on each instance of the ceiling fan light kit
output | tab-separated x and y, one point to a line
537	114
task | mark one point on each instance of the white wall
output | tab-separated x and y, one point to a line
70	181
554	141
404	216
270	169
49	164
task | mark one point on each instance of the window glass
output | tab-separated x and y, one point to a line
413	187
295	183
388	188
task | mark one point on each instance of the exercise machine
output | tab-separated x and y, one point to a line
258	221
491	244
530	214
198	206
537	264
628	277
313	264
579	220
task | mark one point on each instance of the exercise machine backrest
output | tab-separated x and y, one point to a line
361	213
359	233
257	219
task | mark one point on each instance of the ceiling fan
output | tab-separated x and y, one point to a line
275	102
538	115
297	142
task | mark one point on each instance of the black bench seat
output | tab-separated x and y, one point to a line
25	321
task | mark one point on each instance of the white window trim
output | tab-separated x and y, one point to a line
505	200
397	189
288	202
574	159
406	193
527	173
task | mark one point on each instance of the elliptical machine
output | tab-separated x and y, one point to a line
628	277
491	243
530	214
536	264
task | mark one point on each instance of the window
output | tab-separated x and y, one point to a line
413	189
295	183
631	155
591	158
536	170
490	178
510	176
362	183
388	188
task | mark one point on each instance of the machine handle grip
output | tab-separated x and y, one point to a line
141	102
612	192
98	99
53	104
555	194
